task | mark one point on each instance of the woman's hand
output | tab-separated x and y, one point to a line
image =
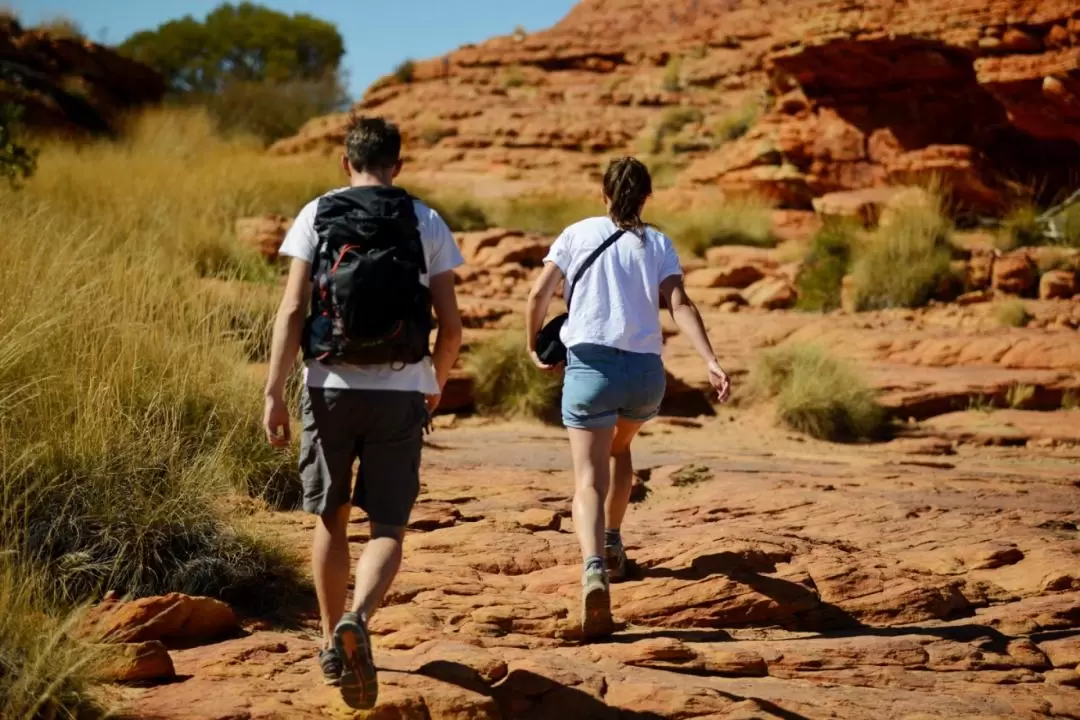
540	363
720	381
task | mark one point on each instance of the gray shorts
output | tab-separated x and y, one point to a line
384	430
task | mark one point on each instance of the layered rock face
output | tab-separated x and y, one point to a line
835	96
68	85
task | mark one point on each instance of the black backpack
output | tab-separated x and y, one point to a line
368	304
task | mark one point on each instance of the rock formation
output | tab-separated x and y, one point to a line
793	100
68	85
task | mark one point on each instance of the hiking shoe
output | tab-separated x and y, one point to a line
330	662
359	681
615	556
596	621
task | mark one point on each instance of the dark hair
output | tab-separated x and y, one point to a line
627	185
372	144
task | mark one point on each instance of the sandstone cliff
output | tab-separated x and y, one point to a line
789	99
69	85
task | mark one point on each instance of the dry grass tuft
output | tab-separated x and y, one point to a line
742	220
817	394
1012	313
508	384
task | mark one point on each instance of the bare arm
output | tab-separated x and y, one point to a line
686	316
288	327
448	337
539	301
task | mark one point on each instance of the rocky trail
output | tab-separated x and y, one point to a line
776	578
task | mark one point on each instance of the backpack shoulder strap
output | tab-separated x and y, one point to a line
590	260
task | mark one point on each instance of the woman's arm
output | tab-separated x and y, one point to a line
539	301
686	316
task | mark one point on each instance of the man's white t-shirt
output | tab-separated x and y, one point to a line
442	255
617	302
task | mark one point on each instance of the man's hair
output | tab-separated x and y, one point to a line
372	144
627	184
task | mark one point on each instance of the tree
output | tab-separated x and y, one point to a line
238	43
257	70
16	161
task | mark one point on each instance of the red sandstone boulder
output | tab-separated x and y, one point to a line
771	294
143	662
1015	274
263	234
735	276
175	620
1058	284
864	206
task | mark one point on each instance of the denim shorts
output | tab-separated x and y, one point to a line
603	384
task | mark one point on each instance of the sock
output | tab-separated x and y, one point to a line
595	563
612	538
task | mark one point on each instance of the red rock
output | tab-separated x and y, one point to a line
737	276
102	84
175	620
138	663
1058	284
771	294
726	256
975	297
473	242
864	206
264	234
527	250
458	392
980	271
1015	274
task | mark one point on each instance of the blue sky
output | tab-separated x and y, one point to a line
378	33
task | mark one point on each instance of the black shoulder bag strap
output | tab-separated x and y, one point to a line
589	262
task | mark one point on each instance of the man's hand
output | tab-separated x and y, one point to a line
276	422
433	403
720	381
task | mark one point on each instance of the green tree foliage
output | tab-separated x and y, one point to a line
17	162
257	69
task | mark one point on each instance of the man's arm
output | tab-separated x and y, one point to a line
288	328
448	337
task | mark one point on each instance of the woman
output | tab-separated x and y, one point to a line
615	377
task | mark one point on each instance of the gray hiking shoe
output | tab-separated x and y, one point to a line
596	620
330	663
617	561
359	680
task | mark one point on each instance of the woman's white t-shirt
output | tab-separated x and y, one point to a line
617	302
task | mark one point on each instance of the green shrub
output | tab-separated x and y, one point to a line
405	71
1020	227
508	384
741	220
817	394
736	123
1019	395
1012	313
514	77
665	170
17	162
821	278
672	80
432	135
671	123
63	27
907	260
1068	225
271	111
461	212
1070	400
544	214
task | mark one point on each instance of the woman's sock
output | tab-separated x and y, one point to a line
612	538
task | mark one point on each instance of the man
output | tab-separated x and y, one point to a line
371	263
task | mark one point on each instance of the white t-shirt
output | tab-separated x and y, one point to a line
442	255
617	302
